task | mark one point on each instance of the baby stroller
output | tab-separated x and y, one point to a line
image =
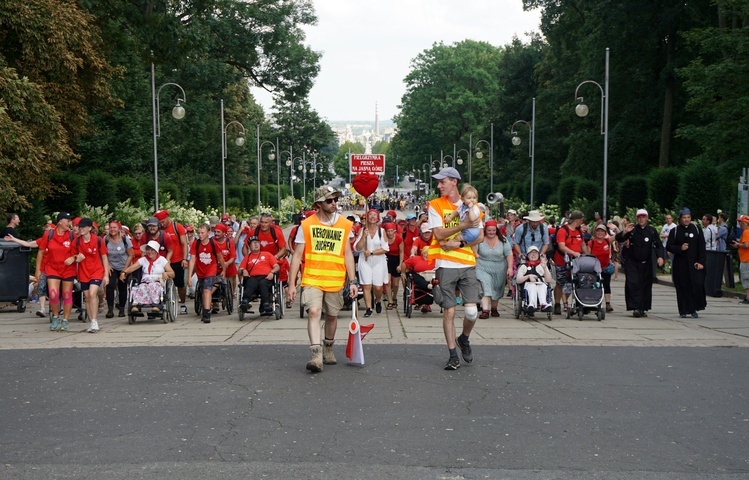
520	304
413	295
587	288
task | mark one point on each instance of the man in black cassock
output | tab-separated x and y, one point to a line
687	244
641	245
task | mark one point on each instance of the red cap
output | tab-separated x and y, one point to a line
224	217
743	219
392	214
189	228
161	215
490	223
95	225
221	227
389	226
76	221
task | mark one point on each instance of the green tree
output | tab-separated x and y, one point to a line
52	78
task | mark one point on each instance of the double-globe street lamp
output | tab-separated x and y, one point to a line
479	154
178	112
239	141
531	141
271	157
582	110
430	168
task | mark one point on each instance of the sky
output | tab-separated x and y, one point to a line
367	47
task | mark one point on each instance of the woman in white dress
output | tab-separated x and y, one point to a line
372	265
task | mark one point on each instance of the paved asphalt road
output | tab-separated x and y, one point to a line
555	412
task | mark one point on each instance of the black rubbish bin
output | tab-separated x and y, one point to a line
14	274
714	265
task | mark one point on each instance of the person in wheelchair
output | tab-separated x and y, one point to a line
155	270
416	265
258	270
535	277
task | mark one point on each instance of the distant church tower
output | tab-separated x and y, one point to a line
377	122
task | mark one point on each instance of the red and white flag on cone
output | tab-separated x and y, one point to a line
356	333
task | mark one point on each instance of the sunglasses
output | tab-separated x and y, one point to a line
533	236
330	200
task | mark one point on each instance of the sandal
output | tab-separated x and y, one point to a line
484	315
390	306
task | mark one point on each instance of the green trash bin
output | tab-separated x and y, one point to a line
14	274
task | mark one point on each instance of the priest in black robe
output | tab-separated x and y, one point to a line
642	249
687	244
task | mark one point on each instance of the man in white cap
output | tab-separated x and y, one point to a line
533	233
322	241
644	247
456	264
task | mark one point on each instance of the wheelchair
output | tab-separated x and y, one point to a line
412	295
222	295
277	300
167	309
520	302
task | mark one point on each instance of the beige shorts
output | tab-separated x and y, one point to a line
331	302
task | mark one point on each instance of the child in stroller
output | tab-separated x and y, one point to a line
534	275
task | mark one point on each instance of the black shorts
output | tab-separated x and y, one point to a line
179	274
393	263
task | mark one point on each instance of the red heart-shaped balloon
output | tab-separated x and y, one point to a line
366	184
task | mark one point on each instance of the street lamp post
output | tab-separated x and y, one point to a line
239	141
459	160
531	141
480	155
271	157
178	112
582	110
290	164
444	157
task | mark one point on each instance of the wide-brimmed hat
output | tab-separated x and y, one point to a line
154	245
534	216
448	172
325	192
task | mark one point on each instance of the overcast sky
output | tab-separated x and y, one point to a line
367	47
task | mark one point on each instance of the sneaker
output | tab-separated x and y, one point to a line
465	350
452	364
636	313
557	309
368	313
206	317
494	312
530	310
55	325
121	313
183	310
41	313
643	313
378	307
565	307
744	301
695	315
63	325
328	357
94	327
546	308
426	309
683	315
110	313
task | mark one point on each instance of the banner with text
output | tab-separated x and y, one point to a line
367	163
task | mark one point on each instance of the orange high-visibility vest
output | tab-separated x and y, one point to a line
324	263
462	255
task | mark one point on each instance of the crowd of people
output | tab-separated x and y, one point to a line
452	250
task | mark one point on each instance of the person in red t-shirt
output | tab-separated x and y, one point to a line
258	269
394	257
600	246
91	254
139	240
570	244
410	233
418	264
424	239
229	252
178	260
205	259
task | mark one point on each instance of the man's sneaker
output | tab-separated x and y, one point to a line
744	301
636	313
315	360
328	357
565	307
55	325
94	327
452	364
465	350
643	313
183	310
368	313
41	313
378	307
206	317
557	309
63	325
